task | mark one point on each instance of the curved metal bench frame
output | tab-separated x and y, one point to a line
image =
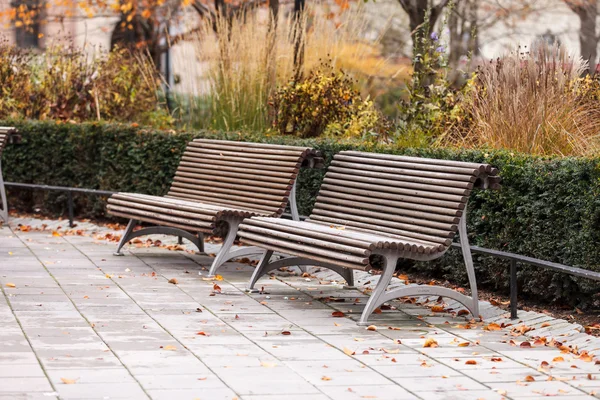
379	295
225	253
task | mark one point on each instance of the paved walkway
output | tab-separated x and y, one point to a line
79	323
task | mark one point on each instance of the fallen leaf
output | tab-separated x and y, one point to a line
218	277
492	327
525	344
338	314
173	281
68	381
558	359
464	344
371	328
325	378
216	288
202	333
529	378
286	333
438	309
267	365
496	359
545	324
349	352
11	285
430	342
170	348
462	312
471	362
56	234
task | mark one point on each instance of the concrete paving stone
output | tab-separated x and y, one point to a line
180	381
122	390
91	375
447	384
193	394
28	396
287	397
25	384
21	371
336	372
541	389
462	395
426	369
10	358
65	362
275	379
360	391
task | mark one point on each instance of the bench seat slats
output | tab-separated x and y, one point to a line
217	179
371	202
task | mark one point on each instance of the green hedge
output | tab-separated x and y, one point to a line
547	208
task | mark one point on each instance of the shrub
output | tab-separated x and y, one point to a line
243	61
64	84
325	102
548	208
533	101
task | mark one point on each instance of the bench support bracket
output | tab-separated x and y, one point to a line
264	267
130	234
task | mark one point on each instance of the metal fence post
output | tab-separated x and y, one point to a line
513	289
70	206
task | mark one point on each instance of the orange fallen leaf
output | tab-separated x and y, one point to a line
173	281
371	328
68	381
529	378
545	324
56	234
438	309
202	333
216	288
525	344
286	333
462	312
11	285
558	359
170	348
464	344
492	327
496	359
471	362
338	314
430	342
348	352
325	378
267	365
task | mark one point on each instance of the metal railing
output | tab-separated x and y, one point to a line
515	259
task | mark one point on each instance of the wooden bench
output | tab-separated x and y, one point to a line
6	134
218	184
378	206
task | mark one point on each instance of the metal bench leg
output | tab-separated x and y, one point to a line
295	213
222	255
384	280
466	251
126	237
4	210
261	269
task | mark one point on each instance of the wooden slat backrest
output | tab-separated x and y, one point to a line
249	176
4	134
413	197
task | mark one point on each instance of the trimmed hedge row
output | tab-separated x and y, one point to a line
548	208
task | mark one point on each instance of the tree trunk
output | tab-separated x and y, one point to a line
271	55
422	16
298	36
588	39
